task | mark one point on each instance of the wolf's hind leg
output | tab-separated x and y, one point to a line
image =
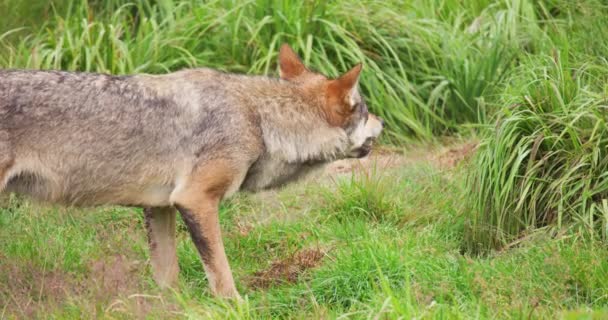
160	225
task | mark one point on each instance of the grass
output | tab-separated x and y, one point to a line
406	266
429	67
518	232
543	162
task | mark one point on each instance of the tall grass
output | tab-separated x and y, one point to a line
543	164
545	161
429	66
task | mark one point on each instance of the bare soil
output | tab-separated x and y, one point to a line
287	270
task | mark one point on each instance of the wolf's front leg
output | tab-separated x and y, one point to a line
198	204
204	229
160	225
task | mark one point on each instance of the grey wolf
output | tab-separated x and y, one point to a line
183	140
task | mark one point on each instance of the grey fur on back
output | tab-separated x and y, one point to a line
88	139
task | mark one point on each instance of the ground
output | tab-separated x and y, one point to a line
372	238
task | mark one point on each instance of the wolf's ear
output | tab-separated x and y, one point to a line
344	88
290	65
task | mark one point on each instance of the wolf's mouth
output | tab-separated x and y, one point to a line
365	149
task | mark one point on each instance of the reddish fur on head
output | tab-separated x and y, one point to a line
337	105
290	64
339	92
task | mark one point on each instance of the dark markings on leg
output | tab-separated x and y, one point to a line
199	239
148	216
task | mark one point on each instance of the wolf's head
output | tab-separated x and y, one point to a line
341	104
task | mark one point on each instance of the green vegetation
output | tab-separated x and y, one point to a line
545	162
518	231
429	66
93	262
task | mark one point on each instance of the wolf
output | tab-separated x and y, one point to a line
178	142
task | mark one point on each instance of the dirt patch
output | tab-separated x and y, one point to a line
287	270
27	290
115	275
443	157
379	159
116	282
455	155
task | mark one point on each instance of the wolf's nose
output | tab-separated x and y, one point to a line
381	121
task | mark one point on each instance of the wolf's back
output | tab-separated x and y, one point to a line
76	137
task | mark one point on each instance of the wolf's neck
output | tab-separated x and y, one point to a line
294	131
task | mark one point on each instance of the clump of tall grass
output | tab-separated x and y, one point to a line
545	163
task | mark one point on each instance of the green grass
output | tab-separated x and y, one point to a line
429	66
518	232
407	266
543	162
